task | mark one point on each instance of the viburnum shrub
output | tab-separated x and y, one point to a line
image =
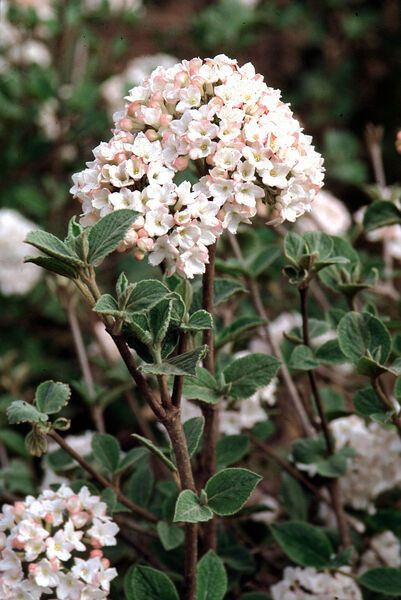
202	150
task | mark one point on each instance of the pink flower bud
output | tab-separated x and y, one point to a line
126	124
120	157
96	553
165	119
138	255
132	108
152	135
180	163
105	563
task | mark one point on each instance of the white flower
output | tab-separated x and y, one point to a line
104	532
15	276
158	222
308	584
45	574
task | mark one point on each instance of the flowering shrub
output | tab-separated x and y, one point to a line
243	139
53	543
232	428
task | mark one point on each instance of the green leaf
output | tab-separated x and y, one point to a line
228	490
159	320
304	544
231	449
183	364
318	243
50	245
330	352
211	578
293	246
155	450
131	458
249	373
383	580
140	485
225	288
203	386
302	359
236	330
188	509
108	233
381	214
294	498
145	294
50	396
363	335
110	498
54	265
199	321
171	536
263	259
106	450
193	429
20	411
145	583
107	305
13	441
368	404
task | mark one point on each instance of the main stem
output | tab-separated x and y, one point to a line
170	416
333	486
210	411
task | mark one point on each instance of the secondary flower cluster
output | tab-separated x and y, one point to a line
309	584
15	276
53	544
218	119
376	466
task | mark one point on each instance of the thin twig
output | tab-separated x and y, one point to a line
275	348
135	508
333	486
96	411
210	411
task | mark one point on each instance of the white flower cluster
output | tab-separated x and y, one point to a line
53	544
376	466
309	584
384	551
222	119
329	215
15	276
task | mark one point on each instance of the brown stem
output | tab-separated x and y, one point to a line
179	380
275	348
210	412
137	376
333	486
178	441
171	418
135	508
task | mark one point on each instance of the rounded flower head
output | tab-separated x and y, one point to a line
224	124
48	545
15	276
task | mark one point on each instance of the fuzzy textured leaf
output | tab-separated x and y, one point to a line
229	489
51	396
